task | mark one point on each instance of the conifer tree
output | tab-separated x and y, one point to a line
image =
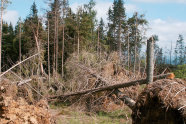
8	46
33	36
4	4
135	37
117	19
179	51
53	16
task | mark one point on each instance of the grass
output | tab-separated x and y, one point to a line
68	115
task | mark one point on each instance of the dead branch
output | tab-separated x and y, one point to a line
127	100
24	82
111	87
17	64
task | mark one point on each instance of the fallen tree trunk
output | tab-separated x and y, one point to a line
127	100
111	87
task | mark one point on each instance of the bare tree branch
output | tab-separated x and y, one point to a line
18	64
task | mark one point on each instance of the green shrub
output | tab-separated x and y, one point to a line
180	71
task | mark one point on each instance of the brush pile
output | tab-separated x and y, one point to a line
87	72
162	102
16	110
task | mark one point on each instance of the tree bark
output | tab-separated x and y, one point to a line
20	46
36	36
54	53
78	42
150	59
139	65
57	42
98	44
2	3
128	51
135	48
63	47
119	40
49	52
127	100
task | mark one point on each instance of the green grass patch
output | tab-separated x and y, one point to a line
69	115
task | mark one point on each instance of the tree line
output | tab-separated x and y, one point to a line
61	32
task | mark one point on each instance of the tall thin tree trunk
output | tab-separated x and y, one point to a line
57	28
38	45
119	40
39	50
150	59
171	54
128	51
99	47
78	30
63	46
135	45
20	46
78	42
54	54
48	52
139	65
92	37
74	43
98	44
2	2
135	48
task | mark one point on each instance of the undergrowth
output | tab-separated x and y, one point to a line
70	115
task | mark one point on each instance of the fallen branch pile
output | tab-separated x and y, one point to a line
15	108
111	87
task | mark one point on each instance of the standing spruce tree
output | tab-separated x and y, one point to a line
176	54
8	59
135	37
87	26
18	41
102	38
85	21
159	57
33	36
65	10
117	19
60	20
179	51
54	19
77	25
4	3
111	31
69	34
